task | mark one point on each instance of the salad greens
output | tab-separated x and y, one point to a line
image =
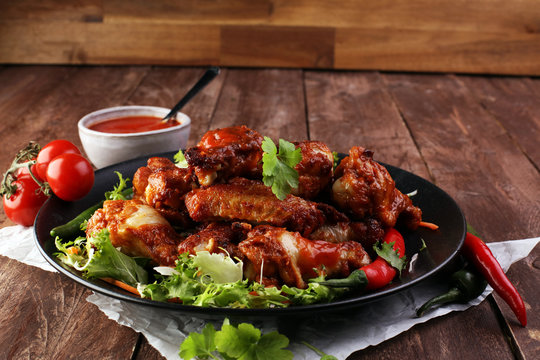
208	280
96	257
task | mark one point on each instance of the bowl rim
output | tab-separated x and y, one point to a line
81	124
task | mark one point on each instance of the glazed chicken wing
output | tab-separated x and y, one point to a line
364	188
163	186
315	170
226	153
217	238
137	229
253	202
276	256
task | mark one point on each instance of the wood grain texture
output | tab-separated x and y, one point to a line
484	36
348	109
269	101
49	318
475	159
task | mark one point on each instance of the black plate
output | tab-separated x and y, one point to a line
437	207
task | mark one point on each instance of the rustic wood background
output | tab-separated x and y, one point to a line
480	36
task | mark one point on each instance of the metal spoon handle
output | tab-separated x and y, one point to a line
208	76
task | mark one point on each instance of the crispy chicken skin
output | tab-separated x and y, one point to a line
364	188
137	229
226	153
288	258
163	186
315	170
217	238
253	202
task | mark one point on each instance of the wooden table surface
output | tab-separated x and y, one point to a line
476	137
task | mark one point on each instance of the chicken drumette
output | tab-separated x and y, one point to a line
364	188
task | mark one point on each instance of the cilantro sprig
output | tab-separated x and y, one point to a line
278	167
235	342
244	342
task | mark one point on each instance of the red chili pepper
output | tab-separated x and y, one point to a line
477	252
377	274
380	273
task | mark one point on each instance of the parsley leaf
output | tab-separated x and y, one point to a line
180	160
278	167
387	252
199	345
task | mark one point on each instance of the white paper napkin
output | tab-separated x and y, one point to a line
166	330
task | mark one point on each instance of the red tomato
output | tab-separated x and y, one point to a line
50	151
70	176
23	206
23	172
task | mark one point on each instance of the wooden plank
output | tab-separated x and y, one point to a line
513	102
264	46
354	108
437	51
97	43
52	10
475	159
49	318
269	101
27	85
348	109
478	16
164	86
485	36
188	12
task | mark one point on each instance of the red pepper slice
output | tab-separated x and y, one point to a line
477	252
380	273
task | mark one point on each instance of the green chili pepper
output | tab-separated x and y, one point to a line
466	285
73	227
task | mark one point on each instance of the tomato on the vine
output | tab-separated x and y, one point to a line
70	176
23	206
50	151
24	172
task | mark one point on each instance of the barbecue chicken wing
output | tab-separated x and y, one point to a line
217	238
364	188
163	186
253	202
137	229
226	153
315	170
276	256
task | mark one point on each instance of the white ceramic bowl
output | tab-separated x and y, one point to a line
105	149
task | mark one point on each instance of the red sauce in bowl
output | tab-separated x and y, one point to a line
131	124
